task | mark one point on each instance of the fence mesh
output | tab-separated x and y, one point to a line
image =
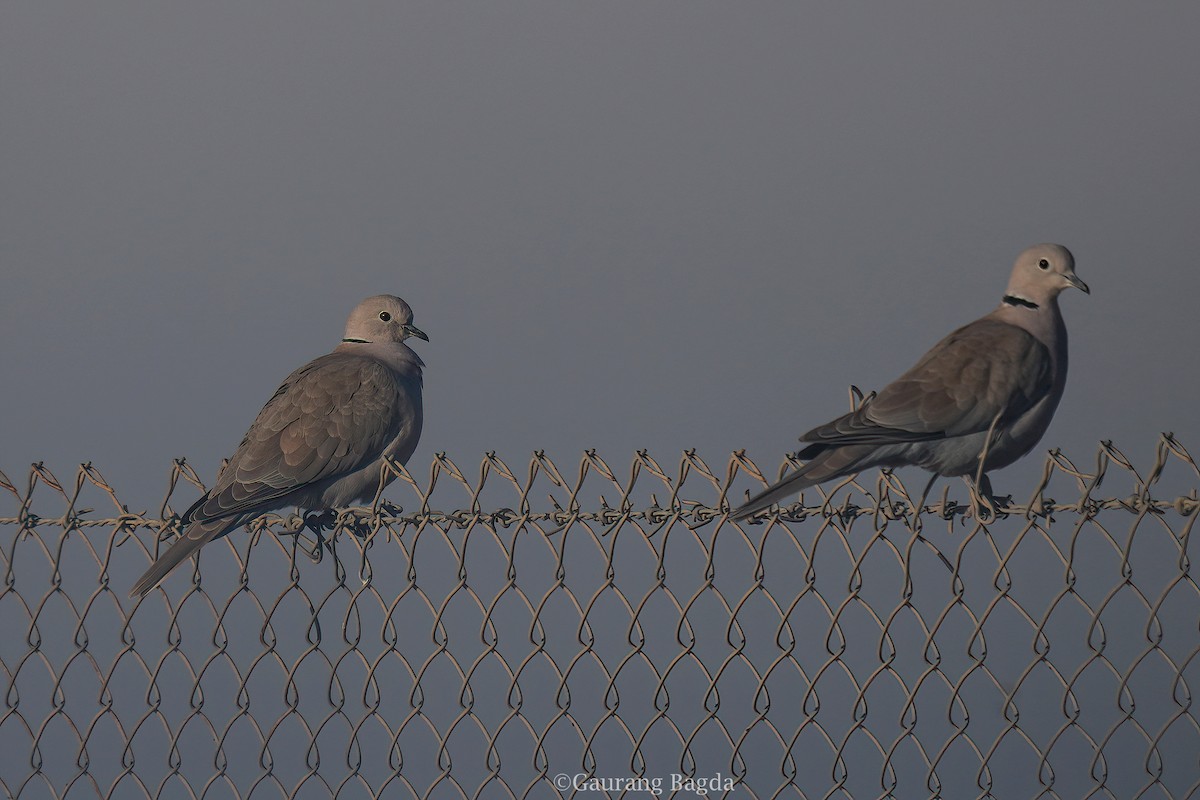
584	631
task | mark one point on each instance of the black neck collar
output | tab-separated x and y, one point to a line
1013	300
356	341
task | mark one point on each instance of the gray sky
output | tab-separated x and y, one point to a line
623	225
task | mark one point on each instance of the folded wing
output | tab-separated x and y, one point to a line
980	371
333	416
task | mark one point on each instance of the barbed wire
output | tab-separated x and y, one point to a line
616	631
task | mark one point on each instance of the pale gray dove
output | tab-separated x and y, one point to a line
321	440
1001	375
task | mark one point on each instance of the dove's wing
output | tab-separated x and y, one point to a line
980	372
333	416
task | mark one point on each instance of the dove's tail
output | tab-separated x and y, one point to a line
196	536
827	463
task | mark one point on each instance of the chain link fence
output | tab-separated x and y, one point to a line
587	632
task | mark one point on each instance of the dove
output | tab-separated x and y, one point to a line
988	390
321	440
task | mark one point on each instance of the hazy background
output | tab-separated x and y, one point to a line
623	225
656	225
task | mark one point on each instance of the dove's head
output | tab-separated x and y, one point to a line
382	318
1041	273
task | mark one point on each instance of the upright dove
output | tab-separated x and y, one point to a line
992	385
322	439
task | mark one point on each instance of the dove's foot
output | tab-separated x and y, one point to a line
985	504
317	522
320	521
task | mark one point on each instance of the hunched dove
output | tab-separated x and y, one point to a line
321	440
996	381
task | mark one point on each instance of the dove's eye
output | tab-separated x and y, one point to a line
1043	264
385	316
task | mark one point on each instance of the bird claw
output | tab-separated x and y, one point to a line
317	522
982	508
987	506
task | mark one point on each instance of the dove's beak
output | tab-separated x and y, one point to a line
1078	284
413	330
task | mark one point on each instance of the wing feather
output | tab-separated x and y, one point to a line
982	370
333	416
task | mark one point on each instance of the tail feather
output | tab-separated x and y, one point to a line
826	464
196	536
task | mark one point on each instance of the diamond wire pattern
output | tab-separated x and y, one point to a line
616	627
